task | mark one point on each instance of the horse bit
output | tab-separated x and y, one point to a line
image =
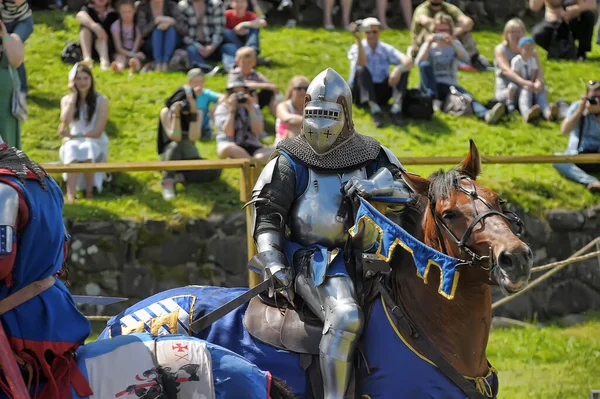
485	262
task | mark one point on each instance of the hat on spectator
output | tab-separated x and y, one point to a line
236	80
194	73
371	21
526	40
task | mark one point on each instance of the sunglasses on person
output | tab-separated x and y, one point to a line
301	88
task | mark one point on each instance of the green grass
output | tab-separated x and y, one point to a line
547	363
134	106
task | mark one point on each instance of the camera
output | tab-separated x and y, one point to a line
360	27
241	97
593	100
438	36
185	107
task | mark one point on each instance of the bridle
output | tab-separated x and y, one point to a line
485	262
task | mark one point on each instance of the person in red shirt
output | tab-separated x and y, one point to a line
241	29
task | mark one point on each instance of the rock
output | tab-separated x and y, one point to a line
95	253
520	308
175	250
592	219
567	297
92	289
565	220
155	226
202	229
573	319
536	231
235	224
504	322
110	281
136	282
219	251
97	228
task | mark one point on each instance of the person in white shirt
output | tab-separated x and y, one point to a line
371	80
531	103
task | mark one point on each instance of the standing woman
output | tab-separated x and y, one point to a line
290	110
83	115
11	55
162	27
18	19
514	30
94	32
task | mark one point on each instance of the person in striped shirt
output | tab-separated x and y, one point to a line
18	19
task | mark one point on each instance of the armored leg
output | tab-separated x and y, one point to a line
335	303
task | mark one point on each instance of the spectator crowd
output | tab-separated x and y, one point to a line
206	37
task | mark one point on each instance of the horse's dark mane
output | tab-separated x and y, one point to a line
442	185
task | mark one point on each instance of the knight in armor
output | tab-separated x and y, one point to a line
41	321
300	228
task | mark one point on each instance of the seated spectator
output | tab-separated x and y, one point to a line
205	21
423	25
565	19
371	80
83	117
582	124
162	27
11	55
240	124
178	131
532	100
504	53
407	11
18	19
95	39
267	92
437	61
127	39
290	112
328	11
241	29
205	97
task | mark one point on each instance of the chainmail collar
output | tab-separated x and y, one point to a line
19	163
354	152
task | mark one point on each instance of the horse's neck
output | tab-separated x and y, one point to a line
458	328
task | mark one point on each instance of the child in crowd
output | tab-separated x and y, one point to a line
269	95
127	39
531	104
241	29
206	97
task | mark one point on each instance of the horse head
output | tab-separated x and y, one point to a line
465	220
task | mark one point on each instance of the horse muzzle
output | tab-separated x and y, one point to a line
514	268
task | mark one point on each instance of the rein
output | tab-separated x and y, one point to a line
485	262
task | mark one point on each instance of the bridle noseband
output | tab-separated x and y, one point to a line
485	262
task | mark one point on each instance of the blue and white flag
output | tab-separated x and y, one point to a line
390	235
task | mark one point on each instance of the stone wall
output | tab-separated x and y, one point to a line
136	260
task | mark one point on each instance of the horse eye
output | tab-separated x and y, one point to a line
448	215
502	201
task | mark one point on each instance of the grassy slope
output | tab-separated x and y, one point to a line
549	363
135	104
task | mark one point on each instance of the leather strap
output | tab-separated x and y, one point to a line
424	346
26	293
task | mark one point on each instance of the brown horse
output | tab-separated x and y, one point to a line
445	211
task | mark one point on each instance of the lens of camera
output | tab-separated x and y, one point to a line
593	100
241	98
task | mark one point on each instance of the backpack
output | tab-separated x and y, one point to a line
71	54
458	104
416	104
562	45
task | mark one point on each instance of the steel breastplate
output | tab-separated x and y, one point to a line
314	215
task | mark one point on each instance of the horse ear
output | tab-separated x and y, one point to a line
417	183
471	165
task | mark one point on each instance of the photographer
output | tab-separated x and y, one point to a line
178	130
371	80
582	124
240	124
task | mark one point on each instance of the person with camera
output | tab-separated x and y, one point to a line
240	124
582	124
438	64
178	130
371	81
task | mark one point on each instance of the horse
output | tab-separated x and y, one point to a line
452	214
